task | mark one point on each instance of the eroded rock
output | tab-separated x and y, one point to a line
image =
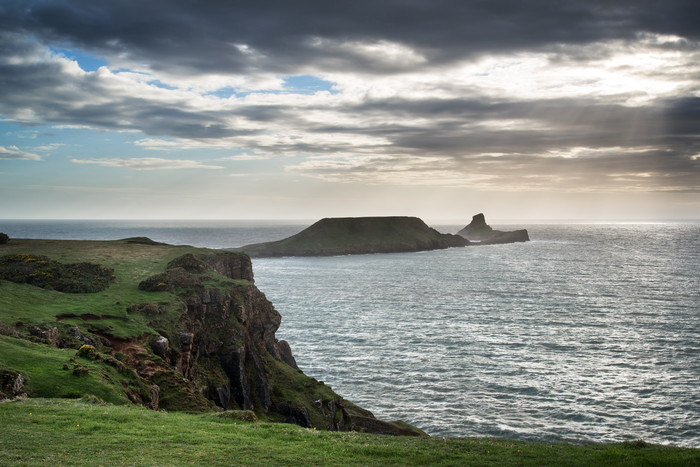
480	232
11	384
160	346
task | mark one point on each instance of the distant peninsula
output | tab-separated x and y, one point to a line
364	235
358	235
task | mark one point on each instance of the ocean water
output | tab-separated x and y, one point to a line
588	333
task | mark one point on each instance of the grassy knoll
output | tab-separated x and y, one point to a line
131	262
64	432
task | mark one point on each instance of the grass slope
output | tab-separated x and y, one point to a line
82	432
49	372
131	263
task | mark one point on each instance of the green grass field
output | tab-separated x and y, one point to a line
132	263
49	372
70	432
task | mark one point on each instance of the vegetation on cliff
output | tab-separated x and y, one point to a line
171	327
358	235
44	272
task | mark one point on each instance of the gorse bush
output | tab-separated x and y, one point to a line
46	273
87	351
176	278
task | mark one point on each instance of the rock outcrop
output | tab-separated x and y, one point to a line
358	235
11	384
480	232
224	349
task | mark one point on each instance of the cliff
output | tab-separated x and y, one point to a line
479	231
358	235
177	328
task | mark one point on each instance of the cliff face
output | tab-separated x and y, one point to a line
225	350
358	235
479	231
225	335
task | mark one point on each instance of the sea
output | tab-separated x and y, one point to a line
588	333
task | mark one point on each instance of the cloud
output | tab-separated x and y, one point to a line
92	189
147	163
522	95
583	169
215	37
246	157
14	153
49	147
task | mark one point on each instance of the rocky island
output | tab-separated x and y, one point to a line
165	327
358	235
479	231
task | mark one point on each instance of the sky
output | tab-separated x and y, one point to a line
441	109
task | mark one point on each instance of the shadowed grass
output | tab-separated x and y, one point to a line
82	433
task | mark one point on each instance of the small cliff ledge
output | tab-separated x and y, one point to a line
358	235
479	231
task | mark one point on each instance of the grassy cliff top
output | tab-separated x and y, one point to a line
131	263
358	235
131	260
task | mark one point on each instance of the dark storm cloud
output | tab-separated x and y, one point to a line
683	116
471	128
201	37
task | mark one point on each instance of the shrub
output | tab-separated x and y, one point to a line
176	278
239	415
146	308
189	263
46	273
87	351
92	399
80	370
4	238
121	356
11	331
